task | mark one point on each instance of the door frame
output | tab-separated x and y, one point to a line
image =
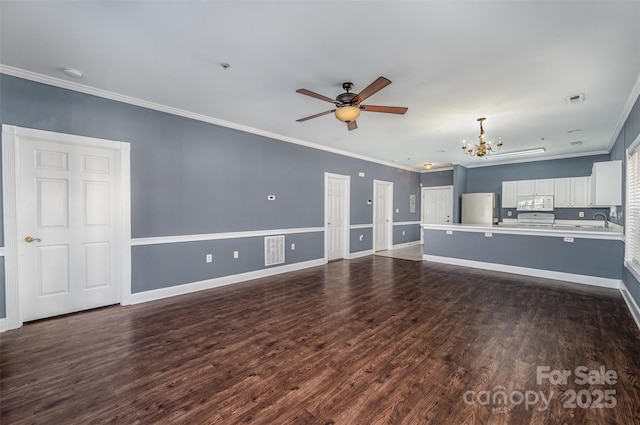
422	191
389	212
346	211
11	175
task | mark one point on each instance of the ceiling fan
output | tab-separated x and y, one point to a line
348	105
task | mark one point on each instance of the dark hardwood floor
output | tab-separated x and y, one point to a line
369	341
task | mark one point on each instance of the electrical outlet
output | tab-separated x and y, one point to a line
293	247
568	239
235	254
403	233
509	213
209	258
581	214
449	232
488	235
397	210
361	237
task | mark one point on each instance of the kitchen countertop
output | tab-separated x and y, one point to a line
614	232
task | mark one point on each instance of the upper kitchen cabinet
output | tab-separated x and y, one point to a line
571	192
606	184
509	194
535	187
580	192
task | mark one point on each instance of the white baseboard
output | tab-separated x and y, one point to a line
187	288
548	274
631	304
405	245
360	254
3	325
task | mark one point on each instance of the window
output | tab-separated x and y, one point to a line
632	225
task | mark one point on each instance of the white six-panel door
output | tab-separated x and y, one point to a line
436	206
336	216
67	198
382	205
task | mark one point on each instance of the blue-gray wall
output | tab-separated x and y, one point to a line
436	178
489	179
630	131
190	177
589	257
459	188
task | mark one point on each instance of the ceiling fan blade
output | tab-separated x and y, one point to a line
351	125
317	96
373	88
316	115
386	109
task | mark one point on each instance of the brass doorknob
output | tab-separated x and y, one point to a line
32	239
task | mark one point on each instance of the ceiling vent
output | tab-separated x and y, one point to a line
576	98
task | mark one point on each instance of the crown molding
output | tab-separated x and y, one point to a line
488	163
70	85
631	101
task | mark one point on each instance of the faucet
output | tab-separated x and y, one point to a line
603	215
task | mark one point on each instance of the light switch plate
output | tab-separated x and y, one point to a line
235	254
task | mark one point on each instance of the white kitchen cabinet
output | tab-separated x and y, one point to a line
571	192
535	187
526	187
606	184
580	192
509	194
545	186
562	193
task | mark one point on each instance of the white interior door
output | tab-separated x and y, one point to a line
337	211
382	215
436	206
68	195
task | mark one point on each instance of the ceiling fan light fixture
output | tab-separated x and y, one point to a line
348	113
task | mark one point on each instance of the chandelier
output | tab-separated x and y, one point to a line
482	149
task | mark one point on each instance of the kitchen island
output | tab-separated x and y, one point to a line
590	255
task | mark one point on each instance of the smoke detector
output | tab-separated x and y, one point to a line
576	98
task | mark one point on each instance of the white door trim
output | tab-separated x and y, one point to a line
346	212
389	214
11	182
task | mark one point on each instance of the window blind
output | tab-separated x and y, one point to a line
632	239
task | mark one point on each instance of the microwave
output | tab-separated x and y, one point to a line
535	203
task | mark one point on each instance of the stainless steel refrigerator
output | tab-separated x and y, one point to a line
480	208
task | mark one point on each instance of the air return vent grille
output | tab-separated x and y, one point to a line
273	250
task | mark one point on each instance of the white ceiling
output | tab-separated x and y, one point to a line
514	62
